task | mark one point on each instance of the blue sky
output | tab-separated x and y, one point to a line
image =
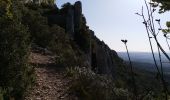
113	20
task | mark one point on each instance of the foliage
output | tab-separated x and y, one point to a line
5	8
24	25
66	51
90	86
65	8
153	32
38	27
165	5
15	72
49	2
14	48
51	36
2	92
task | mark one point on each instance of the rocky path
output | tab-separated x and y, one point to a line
50	81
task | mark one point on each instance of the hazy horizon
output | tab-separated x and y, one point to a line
142	57
116	20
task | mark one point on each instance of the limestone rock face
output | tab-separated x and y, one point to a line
102	58
78	15
70	21
98	56
74	18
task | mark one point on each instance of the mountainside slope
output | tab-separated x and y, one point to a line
58	41
63	33
97	54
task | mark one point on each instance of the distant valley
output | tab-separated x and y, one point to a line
144	60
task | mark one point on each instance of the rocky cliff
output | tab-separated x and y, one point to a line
102	57
98	55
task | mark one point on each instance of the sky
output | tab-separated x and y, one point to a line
113	20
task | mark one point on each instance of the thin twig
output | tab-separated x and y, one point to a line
132	72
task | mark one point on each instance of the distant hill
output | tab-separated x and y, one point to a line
144	60
35	37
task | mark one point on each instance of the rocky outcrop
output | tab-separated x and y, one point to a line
74	18
70	21
102	57
70	18
98	55
77	16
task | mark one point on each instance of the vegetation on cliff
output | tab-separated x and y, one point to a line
24	27
96	70
16	74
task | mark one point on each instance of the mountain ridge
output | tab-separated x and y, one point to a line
70	18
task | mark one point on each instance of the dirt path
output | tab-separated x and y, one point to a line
50	81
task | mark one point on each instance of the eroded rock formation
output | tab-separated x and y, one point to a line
98	55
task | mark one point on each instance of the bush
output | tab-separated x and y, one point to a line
15	72
38	27
2	92
90	86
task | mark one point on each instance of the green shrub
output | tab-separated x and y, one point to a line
38	27
90	86
15	72
2	92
